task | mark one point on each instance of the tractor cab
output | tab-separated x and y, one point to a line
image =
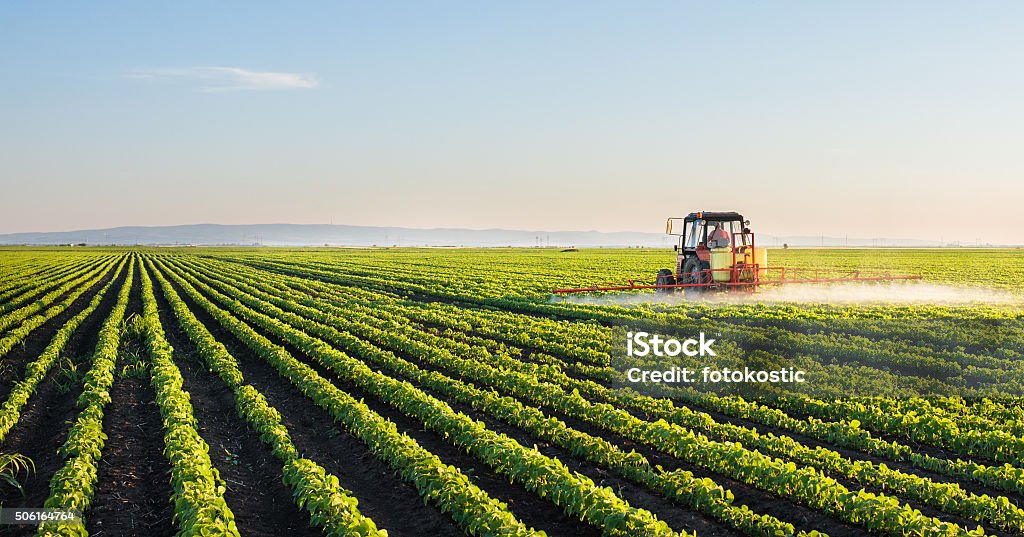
705	230
700	236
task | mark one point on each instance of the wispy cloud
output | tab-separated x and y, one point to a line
219	79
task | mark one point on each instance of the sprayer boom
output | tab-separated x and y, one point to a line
795	276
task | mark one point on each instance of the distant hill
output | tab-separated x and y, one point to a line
341	235
333	235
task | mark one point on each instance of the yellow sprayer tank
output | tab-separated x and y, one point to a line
721	258
759	256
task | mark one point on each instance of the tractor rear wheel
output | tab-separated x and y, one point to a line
665	277
693	272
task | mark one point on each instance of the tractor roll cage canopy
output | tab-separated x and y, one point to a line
704	215
687	239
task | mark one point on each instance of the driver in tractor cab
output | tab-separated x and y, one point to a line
719	237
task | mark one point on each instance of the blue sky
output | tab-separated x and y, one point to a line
858	118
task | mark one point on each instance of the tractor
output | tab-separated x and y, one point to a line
712	248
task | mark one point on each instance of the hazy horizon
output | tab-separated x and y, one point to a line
284	234
868	119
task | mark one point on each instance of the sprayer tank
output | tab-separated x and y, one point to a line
721	263
754	256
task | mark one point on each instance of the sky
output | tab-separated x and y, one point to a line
867	119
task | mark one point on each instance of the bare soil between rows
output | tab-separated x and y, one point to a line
133	492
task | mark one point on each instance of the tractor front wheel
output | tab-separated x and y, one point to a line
665	277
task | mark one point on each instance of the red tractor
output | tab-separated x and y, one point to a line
713	248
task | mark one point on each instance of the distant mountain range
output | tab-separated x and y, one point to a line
341	235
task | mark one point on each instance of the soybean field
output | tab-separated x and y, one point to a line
442	392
